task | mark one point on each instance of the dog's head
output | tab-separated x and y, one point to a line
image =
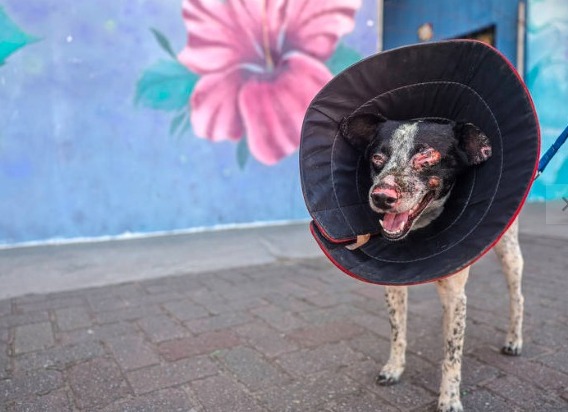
413	165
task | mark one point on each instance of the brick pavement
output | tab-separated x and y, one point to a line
295	335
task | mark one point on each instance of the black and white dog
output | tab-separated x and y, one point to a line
413	166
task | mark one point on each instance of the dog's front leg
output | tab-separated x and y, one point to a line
452	296
396	297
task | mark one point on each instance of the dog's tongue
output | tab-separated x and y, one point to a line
393	222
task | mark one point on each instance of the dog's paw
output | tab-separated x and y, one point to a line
450	406
389	375
384	379
512	349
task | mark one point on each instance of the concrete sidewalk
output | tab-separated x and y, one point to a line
259	321
55	268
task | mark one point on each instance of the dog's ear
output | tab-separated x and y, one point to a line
473	142
359	129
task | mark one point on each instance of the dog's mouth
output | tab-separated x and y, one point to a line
395	226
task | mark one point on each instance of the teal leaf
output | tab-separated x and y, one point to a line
166	85
177	121
12	37
163	42
343	57
186	125
243	153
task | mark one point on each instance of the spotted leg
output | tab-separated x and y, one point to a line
396	297
509	253
452	296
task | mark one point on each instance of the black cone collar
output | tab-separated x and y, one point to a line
459	80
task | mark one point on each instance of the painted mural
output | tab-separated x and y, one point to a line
547	79
151	115
250	69
12	37
140	116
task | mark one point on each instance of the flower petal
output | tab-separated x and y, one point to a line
263	30
215	39
214	106
315	27
259	19
273	108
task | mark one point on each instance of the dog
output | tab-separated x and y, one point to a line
413	167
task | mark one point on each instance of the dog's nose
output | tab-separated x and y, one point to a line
384	197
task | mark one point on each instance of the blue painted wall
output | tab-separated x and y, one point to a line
78	157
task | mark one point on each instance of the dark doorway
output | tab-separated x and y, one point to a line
486	35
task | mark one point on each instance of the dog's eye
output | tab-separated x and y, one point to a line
379	159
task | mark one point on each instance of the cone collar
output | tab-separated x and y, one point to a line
458	80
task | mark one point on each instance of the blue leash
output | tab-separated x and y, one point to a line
544	160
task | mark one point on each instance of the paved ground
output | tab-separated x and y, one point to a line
288	334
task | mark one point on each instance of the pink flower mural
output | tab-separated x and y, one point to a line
260	64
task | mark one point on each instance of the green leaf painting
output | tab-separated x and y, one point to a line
163	42
242	153
343	57
166	85
179	123
12	37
